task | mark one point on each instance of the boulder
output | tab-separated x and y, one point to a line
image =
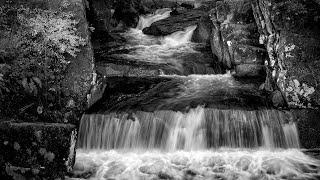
127	11
153	168
36	150
250	70
233	29
244	163
184	18
202	33
114	169
277	99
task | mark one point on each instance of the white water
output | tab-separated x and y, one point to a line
159	50
227	164
198	129
146	21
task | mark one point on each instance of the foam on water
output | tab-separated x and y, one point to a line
159	50
238	164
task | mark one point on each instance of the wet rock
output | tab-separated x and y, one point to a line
214	161
202	33
153	168
277	99
244	163
233	32
114	169
187	5
164	175
180	160
37	150
184	18
308	125
272	166
250	70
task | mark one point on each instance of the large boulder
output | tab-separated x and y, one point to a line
36	150
185	18
290	31
202	33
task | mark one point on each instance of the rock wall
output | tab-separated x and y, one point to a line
235	38
36	150
290	31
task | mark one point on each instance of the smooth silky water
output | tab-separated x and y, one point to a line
199	143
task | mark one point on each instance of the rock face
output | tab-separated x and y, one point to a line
35	150
290	31
80	73
308	125
235	38
176	22
202	33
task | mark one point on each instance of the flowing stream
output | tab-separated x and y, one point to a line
201	142
175	52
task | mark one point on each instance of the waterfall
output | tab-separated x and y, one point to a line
198	129
179	129
180	37
146	21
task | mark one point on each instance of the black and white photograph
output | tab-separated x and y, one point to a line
159	89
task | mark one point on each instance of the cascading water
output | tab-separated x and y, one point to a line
201	142
146	21
173	51
198	129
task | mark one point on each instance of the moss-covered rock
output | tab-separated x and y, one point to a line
36	150
55	69
290	30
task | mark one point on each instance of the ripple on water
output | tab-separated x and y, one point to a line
218	164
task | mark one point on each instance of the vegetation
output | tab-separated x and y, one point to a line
34	48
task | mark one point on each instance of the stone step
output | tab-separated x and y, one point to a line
39	150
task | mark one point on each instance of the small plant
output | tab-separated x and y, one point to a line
299	94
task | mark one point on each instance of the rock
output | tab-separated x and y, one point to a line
48	147
85	167
277	99
291	33
214	161
127	12
163	175
187	6
250	70
180	161
244	163
308	125
153	168
272	166
202	33
183	19
246	54
115	168
233	29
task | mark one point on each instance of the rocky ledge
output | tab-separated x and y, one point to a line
36	150
178	21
